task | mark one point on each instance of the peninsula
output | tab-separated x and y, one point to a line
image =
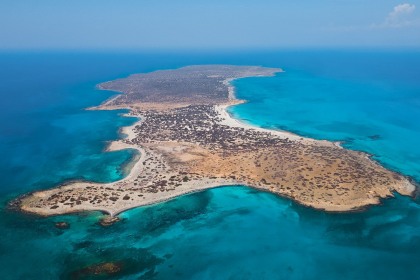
188	142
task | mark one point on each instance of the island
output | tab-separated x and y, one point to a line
188	142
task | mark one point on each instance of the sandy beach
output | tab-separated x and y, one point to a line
187	147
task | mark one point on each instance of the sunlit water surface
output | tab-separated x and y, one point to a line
46	137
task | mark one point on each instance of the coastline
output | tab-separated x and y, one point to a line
227	118
232	121
129	134
236	122
135	171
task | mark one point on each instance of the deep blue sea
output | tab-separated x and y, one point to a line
368	99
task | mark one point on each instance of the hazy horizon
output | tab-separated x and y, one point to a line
201	25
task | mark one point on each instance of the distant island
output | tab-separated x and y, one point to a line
188	142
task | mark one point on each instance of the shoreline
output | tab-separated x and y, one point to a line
232	121
128	135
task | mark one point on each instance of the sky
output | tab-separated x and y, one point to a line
210	24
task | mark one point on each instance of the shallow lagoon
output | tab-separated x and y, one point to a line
225	233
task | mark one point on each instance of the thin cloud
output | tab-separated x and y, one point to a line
400	16
401	11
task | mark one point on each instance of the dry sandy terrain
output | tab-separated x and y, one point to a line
188	142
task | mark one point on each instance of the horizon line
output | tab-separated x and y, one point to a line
207	50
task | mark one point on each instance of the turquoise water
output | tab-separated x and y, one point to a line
380	117
226	233
46	137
